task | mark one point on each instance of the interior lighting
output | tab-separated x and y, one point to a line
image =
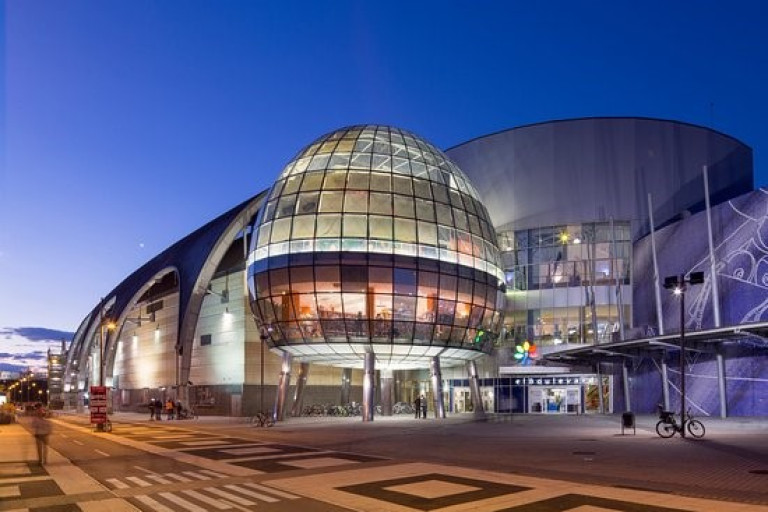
564	237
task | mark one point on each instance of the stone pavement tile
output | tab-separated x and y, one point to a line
111	505
430	487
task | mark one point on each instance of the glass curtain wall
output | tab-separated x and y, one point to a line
565	283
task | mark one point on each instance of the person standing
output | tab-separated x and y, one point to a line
41	428
169	407
417	406
423	407
152	406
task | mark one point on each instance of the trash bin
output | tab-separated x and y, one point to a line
627	422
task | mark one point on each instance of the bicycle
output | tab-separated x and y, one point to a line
187	414
262	420
667	425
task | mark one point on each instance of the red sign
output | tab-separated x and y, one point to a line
98	404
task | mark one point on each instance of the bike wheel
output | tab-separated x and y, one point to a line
665	430
696	429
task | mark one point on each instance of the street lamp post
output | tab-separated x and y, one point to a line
679	285
265	331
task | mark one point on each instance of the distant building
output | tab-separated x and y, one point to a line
56	367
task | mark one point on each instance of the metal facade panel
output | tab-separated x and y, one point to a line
591	169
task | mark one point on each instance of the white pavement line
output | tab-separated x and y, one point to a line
153	504
182	502
212	442
159	479
140	468
197	475
112	504
252	494
79	443
10	491
276	492
105	454
230	496
138	481
213	473
207	499
178	477
24	479
117	483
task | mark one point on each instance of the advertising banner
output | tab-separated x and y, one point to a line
98	405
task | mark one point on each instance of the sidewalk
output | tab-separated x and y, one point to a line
23	480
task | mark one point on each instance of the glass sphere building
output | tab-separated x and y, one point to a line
373	240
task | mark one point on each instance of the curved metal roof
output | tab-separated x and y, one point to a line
591	169
193	259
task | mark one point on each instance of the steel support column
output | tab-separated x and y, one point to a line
437	387
665	383
387	389
721	383
369	385
474	389
278	413
298	393
346	384
600	394
627	390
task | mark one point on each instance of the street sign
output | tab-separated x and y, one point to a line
98	405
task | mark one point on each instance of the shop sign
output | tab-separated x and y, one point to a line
547	381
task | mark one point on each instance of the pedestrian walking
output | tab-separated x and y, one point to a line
178	409
41	428
417	406
169	407
152	406
423	407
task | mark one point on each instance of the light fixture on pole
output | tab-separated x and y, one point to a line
679	285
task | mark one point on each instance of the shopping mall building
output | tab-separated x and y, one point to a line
522	271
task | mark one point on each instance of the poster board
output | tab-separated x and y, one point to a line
98	405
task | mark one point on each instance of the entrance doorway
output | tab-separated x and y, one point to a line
462	400
554	400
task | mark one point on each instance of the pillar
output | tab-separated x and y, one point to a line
278	412
387	392
665	383
298	394
627	391
346	384
720	359
474	389
437	387
601	407
369	382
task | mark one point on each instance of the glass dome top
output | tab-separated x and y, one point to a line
378	189
383	149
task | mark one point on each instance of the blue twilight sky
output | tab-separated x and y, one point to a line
128	124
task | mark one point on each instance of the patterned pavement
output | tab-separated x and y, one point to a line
221	471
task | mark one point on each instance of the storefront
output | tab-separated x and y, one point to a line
544	394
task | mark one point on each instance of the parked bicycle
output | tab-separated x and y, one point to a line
187	414
262	420
668	425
